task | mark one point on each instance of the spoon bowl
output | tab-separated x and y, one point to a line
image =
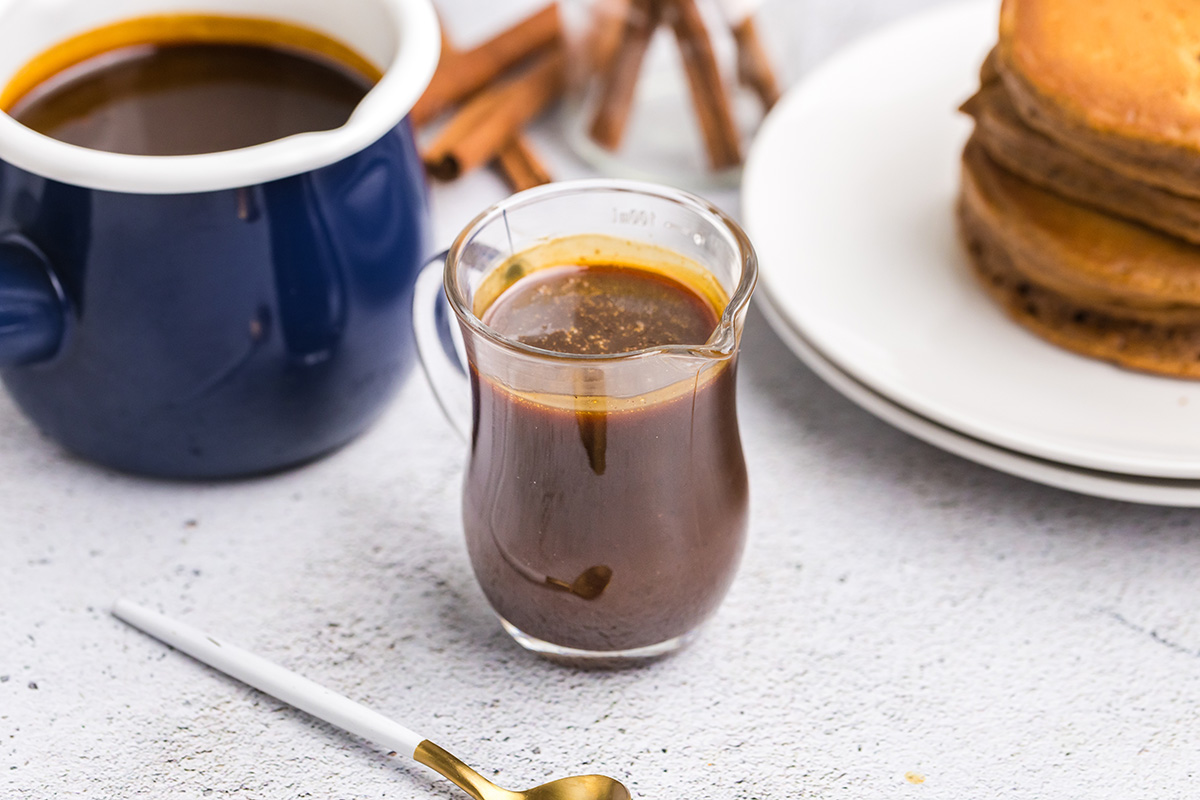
579	787
576	787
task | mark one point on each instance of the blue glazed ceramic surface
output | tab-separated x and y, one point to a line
219	314
215	333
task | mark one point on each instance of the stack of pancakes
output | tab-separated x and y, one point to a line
1080	200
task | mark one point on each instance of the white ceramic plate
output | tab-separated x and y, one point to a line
849	194
1131	488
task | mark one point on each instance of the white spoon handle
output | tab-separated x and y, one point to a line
272	679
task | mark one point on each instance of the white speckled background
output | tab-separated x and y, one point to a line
900	613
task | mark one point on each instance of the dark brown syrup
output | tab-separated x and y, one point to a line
601	310
615	529
184	99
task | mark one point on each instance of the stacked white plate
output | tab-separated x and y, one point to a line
849	197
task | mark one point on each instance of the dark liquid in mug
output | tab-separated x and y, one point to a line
185	99
605	530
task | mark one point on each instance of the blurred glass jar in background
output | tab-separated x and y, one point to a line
673	90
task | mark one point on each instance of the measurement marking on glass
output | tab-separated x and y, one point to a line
637	217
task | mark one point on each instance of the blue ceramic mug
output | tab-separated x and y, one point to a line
219	314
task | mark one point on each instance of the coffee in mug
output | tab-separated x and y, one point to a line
185	84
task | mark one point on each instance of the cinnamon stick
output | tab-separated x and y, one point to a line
493	117
712	105
463	73
520	166
754	65
619	81
604	37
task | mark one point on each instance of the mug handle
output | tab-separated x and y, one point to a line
32	306
440	347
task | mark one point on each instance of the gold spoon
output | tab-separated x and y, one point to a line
348	715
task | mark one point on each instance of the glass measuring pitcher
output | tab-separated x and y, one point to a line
605	497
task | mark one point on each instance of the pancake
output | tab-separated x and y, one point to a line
982	227
1172	351
1039	159
1078	250
1117	81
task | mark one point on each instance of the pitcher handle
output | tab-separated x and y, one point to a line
439	346
32	306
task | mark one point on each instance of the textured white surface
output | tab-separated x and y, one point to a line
900	613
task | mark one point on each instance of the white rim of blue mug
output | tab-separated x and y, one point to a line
418	48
